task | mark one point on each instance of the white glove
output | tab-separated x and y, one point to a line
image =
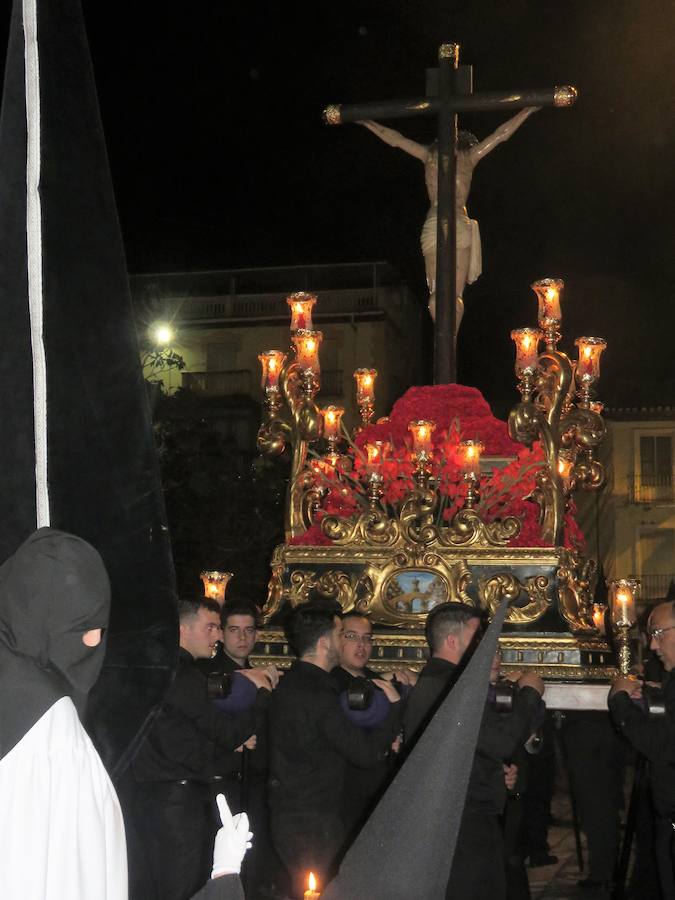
232	841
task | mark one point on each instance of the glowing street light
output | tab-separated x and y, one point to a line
161	334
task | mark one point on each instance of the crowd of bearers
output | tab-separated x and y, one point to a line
179	767
245	772
312	742
308	761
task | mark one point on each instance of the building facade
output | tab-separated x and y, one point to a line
630	523
222	320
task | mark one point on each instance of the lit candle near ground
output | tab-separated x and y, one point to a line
301	311
311	893
307	345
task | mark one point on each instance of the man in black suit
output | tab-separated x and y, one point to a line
311	742
655	738
452	630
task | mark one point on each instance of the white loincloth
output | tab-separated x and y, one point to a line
61	828
468	235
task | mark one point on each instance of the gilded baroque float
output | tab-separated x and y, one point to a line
442	501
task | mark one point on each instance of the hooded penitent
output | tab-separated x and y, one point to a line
77	451
52	590
61	829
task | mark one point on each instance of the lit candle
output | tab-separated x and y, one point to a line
215	584
590	351
599	617
565	466
307	345
332	420
527	349
311	893
272	362
622	596
421	433
365	385
470	452
548	294
301	311
376	453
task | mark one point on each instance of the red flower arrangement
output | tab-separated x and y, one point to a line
459	412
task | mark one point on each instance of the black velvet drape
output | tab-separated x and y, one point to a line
103	473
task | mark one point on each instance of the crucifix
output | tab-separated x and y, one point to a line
454	93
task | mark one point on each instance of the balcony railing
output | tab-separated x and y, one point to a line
240	381
347	301
655	587
219	384
651	488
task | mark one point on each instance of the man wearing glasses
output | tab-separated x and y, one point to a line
357	648
363	786
655	738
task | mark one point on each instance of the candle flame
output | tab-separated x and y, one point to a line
272	364
311	882
551	293
330	417
310	345
588	351
622	597
368	380
470	452
527	342
297	308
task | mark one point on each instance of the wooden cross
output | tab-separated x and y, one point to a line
454	95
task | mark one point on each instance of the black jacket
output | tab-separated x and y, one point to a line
363	786
254	761
312	742
189	737
655	739
500	736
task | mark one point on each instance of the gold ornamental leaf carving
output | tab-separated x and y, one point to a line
494	589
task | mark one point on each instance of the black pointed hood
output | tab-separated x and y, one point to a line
78	452
52	590
406	847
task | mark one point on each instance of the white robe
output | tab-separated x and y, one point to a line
61	827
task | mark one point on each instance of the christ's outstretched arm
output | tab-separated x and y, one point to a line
503	133
396	139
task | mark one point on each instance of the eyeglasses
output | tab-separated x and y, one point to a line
655	634
355	637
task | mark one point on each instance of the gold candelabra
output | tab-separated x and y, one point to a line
623	593
293	419
557	408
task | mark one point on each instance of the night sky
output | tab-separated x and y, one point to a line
220	159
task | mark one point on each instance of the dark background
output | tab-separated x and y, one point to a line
220	159
212	115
